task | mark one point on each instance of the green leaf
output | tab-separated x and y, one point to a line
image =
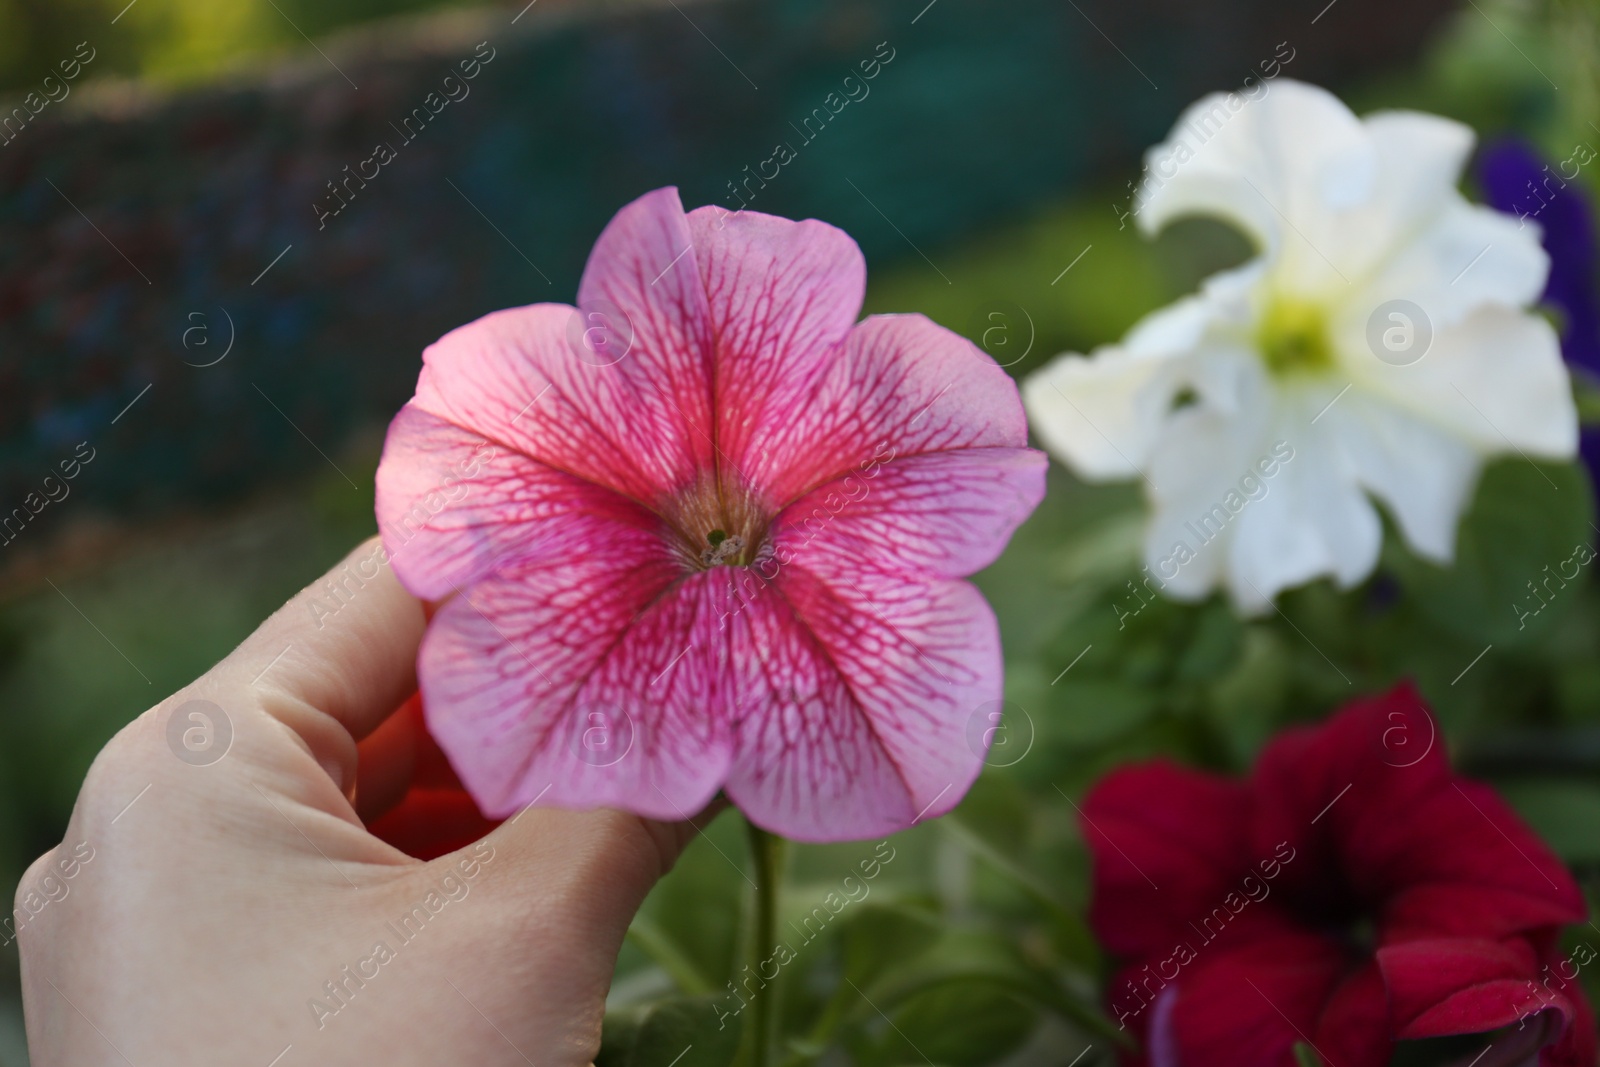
656	1034
1214	647
690	909
875	938
981	955
997	811
1587	393
986	849
1089	711
964	1024
1247	703
656	943
879	936
1306	1056
1563	813
1520	551
994	822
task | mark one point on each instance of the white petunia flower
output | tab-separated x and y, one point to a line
1378	348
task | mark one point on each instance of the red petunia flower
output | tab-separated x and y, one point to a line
1351	893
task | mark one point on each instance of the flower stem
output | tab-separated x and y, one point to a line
760	1041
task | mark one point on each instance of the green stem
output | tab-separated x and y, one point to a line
760	1041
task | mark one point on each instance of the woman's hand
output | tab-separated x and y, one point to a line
218	898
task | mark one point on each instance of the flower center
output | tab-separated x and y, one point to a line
722	549
1293	338
717	525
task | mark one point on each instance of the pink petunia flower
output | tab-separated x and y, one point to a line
706	531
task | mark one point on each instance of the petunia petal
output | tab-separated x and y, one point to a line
452	504
1459	862
1424	475
781	294
1456	255
1332	789
523	379
1128	392
644	304
1258	500
1464	985
1510	171
1253	1003
429	823
1420	157
898	386
1577	1047
1353	1028
1169	843
572	679
1496	380
1197	462
946	514
1278	163
1101	414
856	691
1314	519
1466	256
1471	866
1413	198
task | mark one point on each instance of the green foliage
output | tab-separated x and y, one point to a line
1564	813
1520	546
658	1034
971	945
1306	1056
964	1023
174	41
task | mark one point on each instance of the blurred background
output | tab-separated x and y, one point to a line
201	307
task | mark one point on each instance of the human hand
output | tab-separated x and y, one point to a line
226	903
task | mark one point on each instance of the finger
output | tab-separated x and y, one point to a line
568	884
586	871
552	892
333	663
346	645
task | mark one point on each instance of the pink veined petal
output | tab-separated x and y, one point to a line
899	385
856	695
572	680
518	377
940	513
452	504
781	294
646	267
617	390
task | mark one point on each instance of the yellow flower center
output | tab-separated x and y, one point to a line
1293	338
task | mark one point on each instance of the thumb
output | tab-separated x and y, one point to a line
587	872
552	894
